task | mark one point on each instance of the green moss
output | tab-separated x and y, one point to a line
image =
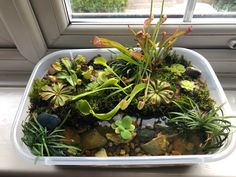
165	75
36	89
173	58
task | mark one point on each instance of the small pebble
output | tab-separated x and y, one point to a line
132	145
87	152
110	144
110	154
117	152
122	152
127	149
193	72
149	126
140	154
175	153
137	150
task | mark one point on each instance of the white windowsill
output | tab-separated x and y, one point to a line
12	164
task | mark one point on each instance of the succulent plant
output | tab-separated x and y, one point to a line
57	66
88	73
124	127
159	92
80	59
58	93
67	72
177	69
187	85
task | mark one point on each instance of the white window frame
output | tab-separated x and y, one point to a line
44	25
60	33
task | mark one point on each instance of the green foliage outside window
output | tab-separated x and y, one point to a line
98	5
223	5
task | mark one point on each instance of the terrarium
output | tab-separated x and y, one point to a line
122	103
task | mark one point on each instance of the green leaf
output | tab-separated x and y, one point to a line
177	69
104	42
104	86
126	135
85	108
57	66
71	79
135	91
132	127
127	58
118	122
113	126
67	63
117	130
100	61
124	104
102	77
187	85
127	122
109	82
88	73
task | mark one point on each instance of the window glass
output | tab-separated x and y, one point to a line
215	7
135	8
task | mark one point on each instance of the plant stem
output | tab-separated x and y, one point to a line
157	27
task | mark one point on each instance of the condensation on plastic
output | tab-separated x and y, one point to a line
40	70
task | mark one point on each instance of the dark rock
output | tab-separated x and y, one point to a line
50	121
145	135
193	72
157	146
92	139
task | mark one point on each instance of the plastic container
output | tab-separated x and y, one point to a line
40	70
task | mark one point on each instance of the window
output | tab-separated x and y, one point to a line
120	11
54	24
130	11
216	7
62	28
215	11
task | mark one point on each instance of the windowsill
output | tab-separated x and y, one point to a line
12	164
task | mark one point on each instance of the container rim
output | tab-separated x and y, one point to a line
132	160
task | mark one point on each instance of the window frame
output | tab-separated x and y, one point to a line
36	35
59	32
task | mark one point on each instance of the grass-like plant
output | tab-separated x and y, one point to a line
213	123
46	143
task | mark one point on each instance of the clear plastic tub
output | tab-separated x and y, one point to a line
40	70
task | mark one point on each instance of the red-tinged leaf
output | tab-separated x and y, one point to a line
97	42
137	55
148	21
163	19
103	42
189	29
